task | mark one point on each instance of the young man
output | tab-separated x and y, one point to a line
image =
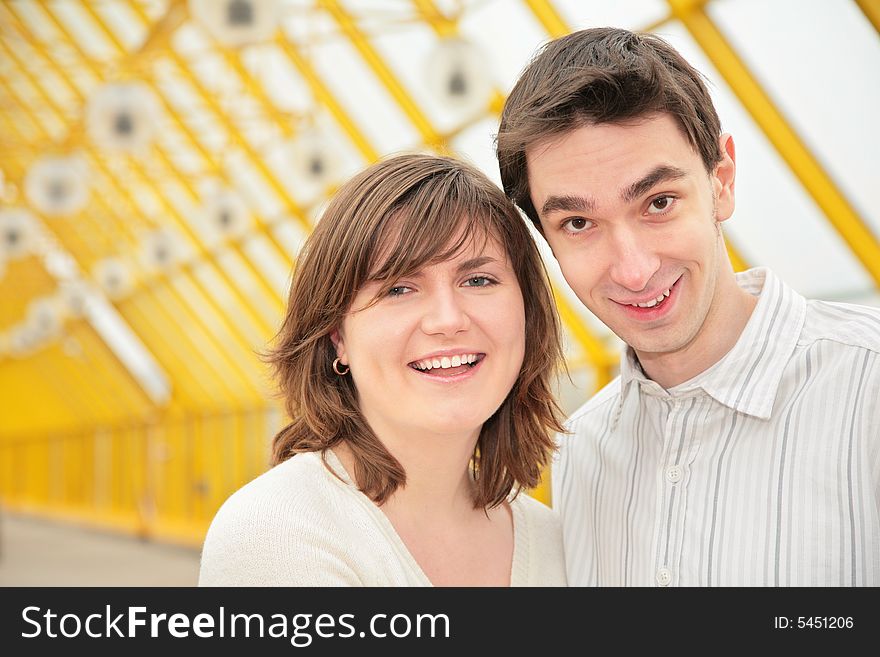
740	445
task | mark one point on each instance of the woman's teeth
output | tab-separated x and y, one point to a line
445	362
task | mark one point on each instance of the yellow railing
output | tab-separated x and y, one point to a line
164	479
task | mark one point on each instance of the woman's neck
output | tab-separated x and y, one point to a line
437	473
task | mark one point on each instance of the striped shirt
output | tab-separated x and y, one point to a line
764	470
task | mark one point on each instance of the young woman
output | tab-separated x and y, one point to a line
416	361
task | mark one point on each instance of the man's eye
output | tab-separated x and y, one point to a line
660	205
576	225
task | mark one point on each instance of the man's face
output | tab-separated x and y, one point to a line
632	217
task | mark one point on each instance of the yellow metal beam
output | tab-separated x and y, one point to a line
257	160
871	10
232	132
550	19
220	353
100	360
198	383
238	360
49	377
159	34
36	397
815	180
249	377
383	72
264	328
323	95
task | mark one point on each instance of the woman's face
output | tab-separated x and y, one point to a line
440	351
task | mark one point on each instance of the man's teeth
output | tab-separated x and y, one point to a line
652	302
446	362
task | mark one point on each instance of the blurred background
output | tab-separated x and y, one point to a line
162	161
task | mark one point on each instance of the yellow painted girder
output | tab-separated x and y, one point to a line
235	135
272	295
264	328
189	358
383	72
19	379
103	395
871	10
322	95
219	352
123	190
196	382
164	30
234	359
175	16
816	181
98	358
550	19
24	280
90	403
235	244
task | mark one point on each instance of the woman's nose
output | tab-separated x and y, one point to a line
445	314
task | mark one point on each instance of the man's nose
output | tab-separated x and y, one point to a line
634	260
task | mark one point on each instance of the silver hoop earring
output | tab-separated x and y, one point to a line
336	367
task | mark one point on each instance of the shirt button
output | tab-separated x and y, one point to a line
673	473
664	577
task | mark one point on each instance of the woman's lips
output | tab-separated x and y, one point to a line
452	373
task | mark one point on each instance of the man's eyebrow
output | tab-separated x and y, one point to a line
661	173
567	204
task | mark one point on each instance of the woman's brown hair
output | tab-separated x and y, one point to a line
391	220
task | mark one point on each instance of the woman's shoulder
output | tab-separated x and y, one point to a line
540	560
290	479
278	526
539	515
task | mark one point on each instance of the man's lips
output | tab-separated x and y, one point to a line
654	307
648	300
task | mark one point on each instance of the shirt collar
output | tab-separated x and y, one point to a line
747	377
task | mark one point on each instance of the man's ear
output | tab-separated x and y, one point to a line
724	179
339	342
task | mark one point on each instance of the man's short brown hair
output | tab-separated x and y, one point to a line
600	75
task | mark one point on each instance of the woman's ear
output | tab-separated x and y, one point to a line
339	342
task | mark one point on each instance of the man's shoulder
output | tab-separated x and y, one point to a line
597	406
847	324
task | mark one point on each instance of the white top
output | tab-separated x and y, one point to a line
299	525
764	470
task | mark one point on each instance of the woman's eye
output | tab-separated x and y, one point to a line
660	205
576	225
398	290
479	281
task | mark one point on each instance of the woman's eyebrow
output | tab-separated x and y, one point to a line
475	263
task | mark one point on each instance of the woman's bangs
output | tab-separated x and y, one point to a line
410	240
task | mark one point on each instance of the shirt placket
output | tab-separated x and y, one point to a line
671	485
